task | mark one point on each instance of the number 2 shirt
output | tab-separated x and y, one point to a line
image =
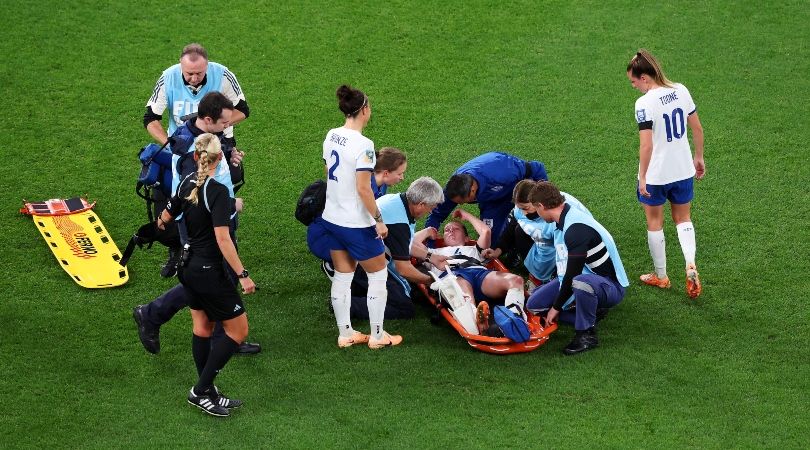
346	152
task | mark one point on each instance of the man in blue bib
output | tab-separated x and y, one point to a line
180	89
590	274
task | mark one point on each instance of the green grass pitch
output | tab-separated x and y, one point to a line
447	81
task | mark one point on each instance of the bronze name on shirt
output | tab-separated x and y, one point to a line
337	139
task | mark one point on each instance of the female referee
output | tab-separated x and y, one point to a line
666	168
212	296
352	219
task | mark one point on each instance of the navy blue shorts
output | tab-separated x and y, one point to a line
361	243
678	193
475	276
319	241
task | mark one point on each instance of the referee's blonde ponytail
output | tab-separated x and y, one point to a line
207	150
644	63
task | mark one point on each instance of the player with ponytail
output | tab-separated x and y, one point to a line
667	168
352	219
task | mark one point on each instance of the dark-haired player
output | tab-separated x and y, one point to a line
487	180
354	222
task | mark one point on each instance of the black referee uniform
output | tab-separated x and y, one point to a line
209	288
204	274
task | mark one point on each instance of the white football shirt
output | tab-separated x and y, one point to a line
345	152
665	110
463	250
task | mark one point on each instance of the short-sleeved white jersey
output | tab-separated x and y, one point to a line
346	152
470	251
665	110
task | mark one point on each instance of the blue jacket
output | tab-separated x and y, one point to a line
497	174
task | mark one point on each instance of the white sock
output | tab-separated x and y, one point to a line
342	302
515	296
686	235
376	299
658	251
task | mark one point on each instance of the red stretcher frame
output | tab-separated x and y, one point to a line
489	344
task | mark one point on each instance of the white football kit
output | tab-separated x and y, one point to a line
345	152
665	111
470	251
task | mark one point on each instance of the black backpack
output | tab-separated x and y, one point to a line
311	202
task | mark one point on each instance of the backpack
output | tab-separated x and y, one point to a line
311	202
512	325
156	166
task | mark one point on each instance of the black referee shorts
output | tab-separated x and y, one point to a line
211	290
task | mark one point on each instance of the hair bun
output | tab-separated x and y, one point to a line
344	92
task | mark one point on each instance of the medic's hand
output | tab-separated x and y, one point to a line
237	157
551	317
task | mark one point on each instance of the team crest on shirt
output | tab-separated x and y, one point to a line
369	156
641	115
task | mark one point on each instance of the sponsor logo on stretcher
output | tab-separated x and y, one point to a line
80	244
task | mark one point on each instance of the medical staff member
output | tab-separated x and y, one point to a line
206	207
400	213
487	180
180	89
666	169
590	274
352	218
539	259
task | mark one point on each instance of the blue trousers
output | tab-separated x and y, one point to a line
590	292
162	309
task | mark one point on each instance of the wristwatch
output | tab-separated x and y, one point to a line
244	274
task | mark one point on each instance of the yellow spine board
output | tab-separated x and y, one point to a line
83	248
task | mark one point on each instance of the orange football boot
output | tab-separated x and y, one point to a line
653	280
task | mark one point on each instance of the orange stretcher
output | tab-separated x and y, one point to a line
489	344
79	241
